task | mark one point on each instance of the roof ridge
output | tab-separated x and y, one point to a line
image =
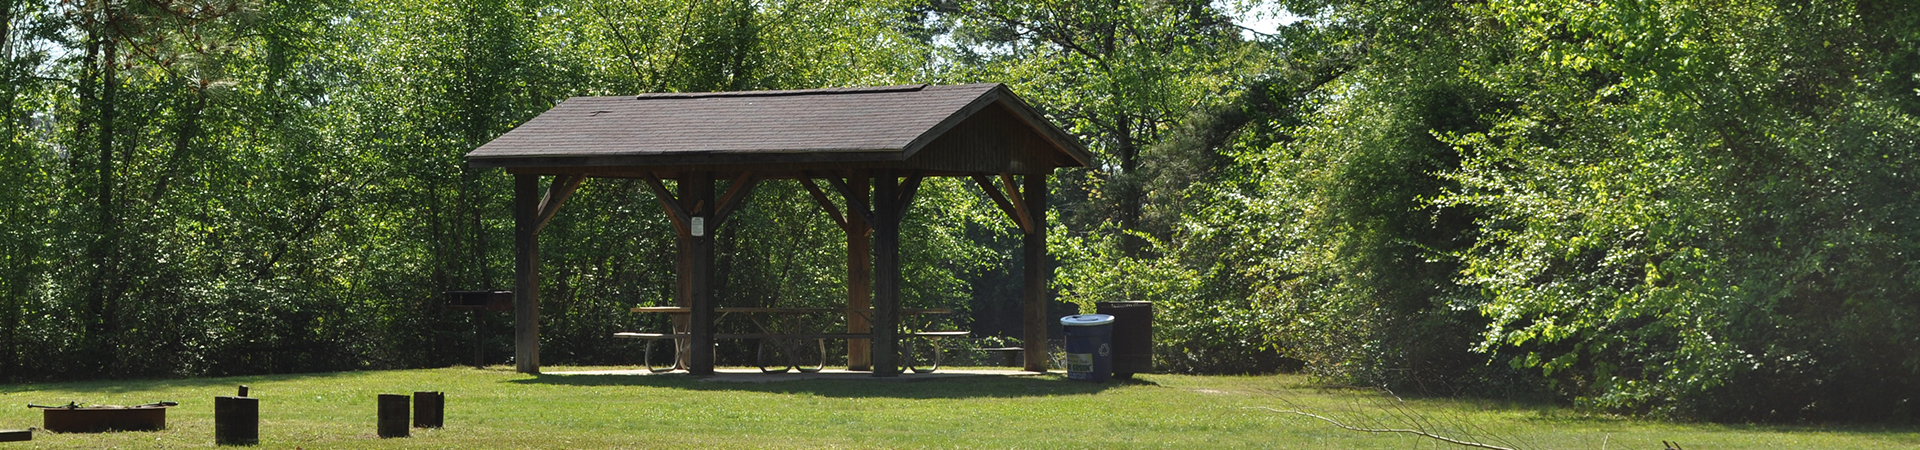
784	93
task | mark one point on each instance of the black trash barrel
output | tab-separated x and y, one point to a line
1089	346
393	415
429	409
1132	336
236	420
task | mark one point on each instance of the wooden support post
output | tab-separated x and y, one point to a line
859	277
859	257
682	272
1038	273
696	218
891	200
697	188
479	338
526	268
886	275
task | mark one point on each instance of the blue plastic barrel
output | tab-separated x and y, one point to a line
1089	346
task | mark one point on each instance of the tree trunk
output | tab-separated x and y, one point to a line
1129	181
21	259
100	324
182	147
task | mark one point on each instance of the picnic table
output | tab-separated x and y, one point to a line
781	331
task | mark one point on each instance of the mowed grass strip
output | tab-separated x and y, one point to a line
495	408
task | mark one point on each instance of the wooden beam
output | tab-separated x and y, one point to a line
908	190
737	194
699	189
1000	199
1038	273
858	224
683	280
1019	199
886	275
684	264
859	276
526	268
741	186
855	203
826	204
675	212
557	194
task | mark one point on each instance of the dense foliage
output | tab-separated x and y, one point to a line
1677	208
1703	213
1670	208
242	187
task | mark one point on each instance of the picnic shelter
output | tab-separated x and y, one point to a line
871	146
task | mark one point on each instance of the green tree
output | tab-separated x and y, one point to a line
26	166
1117	73
1698	211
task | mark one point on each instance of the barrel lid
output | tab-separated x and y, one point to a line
1086	320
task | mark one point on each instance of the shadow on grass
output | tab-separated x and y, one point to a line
930	388
139	385
1468	417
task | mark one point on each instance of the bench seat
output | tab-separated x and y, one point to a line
648	356
925	334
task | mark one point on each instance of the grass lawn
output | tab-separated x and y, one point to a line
496	408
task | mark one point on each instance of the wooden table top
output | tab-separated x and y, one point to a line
777	310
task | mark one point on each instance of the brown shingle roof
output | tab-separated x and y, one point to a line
847	124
